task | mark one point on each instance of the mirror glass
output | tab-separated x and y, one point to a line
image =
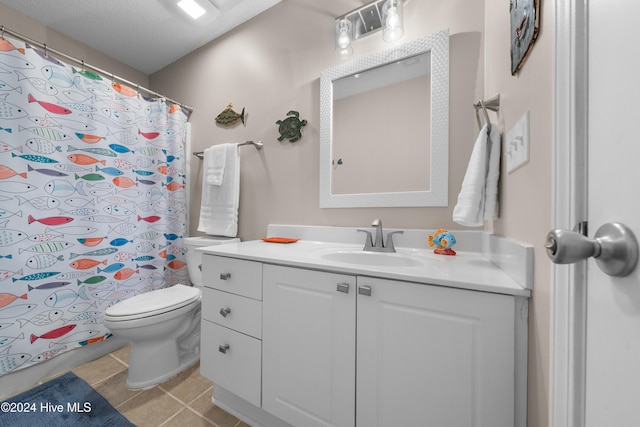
384	127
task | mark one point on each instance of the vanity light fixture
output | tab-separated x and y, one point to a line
192	8
385	15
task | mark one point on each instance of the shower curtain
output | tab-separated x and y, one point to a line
92	202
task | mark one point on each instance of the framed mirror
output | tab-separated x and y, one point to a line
384	128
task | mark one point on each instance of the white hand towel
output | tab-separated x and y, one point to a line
478	197
214	161
219	208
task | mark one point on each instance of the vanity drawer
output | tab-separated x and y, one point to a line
240	313
232	275
238	368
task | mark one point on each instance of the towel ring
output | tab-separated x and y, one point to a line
486	115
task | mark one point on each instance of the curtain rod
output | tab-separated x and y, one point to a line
80	62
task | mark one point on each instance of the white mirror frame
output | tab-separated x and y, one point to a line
437	195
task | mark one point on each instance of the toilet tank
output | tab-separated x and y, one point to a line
194	258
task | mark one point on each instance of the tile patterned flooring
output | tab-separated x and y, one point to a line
184	400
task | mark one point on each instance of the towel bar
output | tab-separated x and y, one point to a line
258	145
492	104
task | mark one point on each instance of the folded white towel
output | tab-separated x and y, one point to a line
213	164
219	208
478	197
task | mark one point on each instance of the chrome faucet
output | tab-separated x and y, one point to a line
379	245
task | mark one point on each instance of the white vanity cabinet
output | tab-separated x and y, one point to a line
231	344
421	354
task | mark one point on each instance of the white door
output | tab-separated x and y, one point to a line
613	304
597	317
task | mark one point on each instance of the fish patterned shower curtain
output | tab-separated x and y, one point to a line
92	202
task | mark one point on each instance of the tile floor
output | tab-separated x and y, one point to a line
184	400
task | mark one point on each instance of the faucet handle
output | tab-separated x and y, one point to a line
368	243
389	240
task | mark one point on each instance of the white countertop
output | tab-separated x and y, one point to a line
466	270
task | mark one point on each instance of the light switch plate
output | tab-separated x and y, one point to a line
517	146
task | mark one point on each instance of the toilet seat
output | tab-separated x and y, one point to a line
153	303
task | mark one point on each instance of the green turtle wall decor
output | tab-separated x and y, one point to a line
291	127
229	117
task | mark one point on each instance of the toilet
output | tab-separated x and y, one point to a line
163	326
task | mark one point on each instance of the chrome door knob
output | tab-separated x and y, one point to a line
614	248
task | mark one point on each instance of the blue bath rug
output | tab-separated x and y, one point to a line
66	401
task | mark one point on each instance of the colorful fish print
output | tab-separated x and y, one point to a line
92	280
110	171
90	177
45	171
86	263
52	108
55	333
88	74
89	139
150	218
92	203
91	241
45	56
83	159
36	276
35	158
52	220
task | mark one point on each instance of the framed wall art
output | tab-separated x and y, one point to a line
525	25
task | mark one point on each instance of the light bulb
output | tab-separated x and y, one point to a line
343	39
392	11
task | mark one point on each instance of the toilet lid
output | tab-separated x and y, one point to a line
155	302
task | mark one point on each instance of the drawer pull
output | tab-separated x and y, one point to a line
223	348
200	267
343	287
225	311
364	290
225	276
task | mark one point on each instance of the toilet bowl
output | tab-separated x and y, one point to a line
163	326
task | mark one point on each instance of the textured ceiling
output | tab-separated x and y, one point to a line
145	34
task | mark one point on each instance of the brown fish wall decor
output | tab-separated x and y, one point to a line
229	117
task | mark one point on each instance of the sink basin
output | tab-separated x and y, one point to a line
381	259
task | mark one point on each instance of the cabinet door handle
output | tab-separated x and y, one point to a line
364	290
224	311
343	287
225	276
223	348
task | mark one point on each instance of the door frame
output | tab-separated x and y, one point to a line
570	150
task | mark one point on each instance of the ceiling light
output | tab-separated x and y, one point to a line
192	8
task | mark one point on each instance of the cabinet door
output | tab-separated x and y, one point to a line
308	343
433	356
